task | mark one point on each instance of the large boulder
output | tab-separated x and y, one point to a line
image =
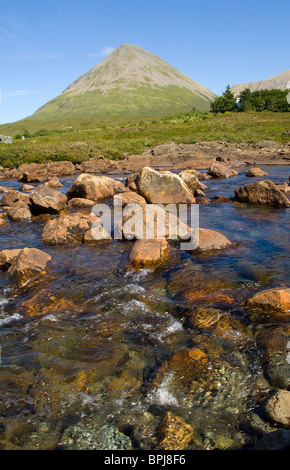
262	192
66	229
220	170
164	188
28	265
94	187
47	200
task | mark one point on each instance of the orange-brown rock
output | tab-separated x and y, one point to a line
8	256
3	219
26	188
270	304
163	187
263	192
13	196
54	183
47	200
80	203
130	197
174	433
20	211
94	187
220	170
256	173
40	172
212	240
30	264
131	182
277	408
220	198
43	303
149	253
192	182
66	229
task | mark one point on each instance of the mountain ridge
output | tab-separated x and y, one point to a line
280	81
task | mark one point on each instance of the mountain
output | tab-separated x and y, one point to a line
129	82
281	82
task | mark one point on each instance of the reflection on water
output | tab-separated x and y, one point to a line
96	345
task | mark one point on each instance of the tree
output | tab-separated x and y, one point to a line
225	102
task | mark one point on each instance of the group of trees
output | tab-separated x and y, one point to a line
261	100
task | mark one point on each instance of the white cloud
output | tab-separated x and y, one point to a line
103	52
15	93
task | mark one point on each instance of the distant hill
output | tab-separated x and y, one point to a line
129	82
281	82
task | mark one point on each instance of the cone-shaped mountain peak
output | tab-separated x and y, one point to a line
129	82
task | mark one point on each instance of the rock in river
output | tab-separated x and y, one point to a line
262	192
278	407
271	304
29	264
94	187
149	253
164	188
47	200
220	170
66	229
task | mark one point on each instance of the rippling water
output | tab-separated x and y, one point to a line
98	343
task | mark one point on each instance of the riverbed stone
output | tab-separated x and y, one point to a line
8	256
54	183
269	305
45	199
277	407
174	433
212	240
80	203
163	187
149	253
263	192
30	264
256	173
3	219
20	211
13	196
220	170
94	187
66	229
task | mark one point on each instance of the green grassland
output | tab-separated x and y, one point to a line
82	138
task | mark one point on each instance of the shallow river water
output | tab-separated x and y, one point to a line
95	344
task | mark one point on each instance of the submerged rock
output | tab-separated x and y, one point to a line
274	346
174	433
83	436
262	192
164	188
149	253
94	187
271	304
212	240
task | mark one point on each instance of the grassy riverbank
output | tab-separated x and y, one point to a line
86	138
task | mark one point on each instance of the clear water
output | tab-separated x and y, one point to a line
97	344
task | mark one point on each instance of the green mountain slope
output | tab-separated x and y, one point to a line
129	82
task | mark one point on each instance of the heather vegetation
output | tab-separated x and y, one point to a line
88	138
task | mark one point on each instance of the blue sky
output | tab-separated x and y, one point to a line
47	45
